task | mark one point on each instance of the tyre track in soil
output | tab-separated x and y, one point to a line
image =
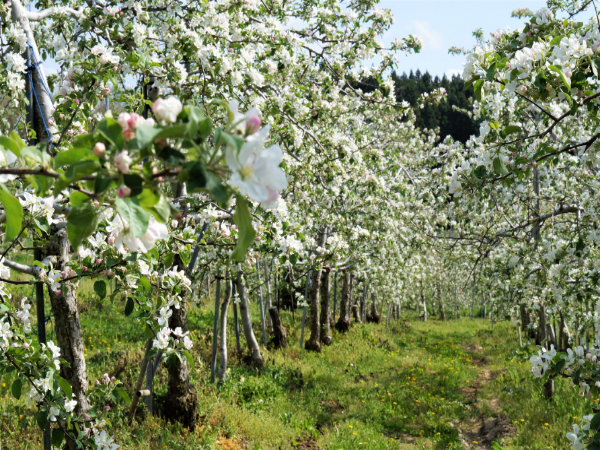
489	424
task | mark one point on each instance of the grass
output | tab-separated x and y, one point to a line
376	387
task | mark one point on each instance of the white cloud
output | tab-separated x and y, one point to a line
433	39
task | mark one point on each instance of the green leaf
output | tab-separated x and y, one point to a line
78	234
189	358
496	446
72	156
16	388
489	73
57	437
172	156
112	131
510	130
100	289
560	73
101	184
156	204
478	86
134	214
556	40
144	136
77	198
41	419
145	283
595	423
13	211
135	183
65	386
42	224
129	306
123	395
596	66
41	184
11	145
246	233
168	260
81	215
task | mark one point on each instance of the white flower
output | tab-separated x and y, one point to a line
573	437
162	339
163	315
5	333
154	232
103	442
53	413
166	110
256	171
70	405
179	332
187	342
122	161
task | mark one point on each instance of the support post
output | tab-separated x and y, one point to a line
236	324
213	361
334	294
304	308
41	323
260	301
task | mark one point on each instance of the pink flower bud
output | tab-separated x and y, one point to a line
124	191
71	132
63	274
96	203
122	161
25	345
51	122
85	268
252	125
61	116
77	101
111	240
98	261
104	273
113	379
58	292
99	149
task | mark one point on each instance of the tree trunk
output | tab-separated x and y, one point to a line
268	289
45	108
67	325
343	323
356	313
549	388
314	341
325	306
424	305
442	311
541	334
223	331
181	401
279	332
255	356
387	316
373	316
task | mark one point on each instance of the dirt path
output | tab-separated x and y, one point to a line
489	424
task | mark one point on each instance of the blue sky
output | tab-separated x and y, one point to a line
446	23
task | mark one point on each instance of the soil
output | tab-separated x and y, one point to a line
479	432
307	443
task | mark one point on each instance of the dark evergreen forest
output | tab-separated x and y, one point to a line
451	122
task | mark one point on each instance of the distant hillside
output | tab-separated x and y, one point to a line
451	122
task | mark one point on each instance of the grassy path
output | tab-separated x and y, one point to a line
412	385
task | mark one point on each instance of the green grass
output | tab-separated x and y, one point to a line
376	387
